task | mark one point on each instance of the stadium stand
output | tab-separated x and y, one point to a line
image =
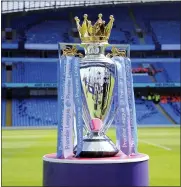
34	112
3	71
171	72
141	79
157	11
163	30
34	72
23	72
43	112
50	30
156	22
147	113
171	110
3	112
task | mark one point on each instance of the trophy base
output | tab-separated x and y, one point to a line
97	146
117	171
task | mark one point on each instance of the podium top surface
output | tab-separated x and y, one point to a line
108	160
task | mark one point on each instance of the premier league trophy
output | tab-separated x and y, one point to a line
95	91
98	82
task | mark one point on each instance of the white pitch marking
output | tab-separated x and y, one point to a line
156	145
159	133
24	136
17	145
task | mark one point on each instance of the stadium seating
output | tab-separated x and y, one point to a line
153	24
163	19
3	112
34	112
34	72
171	72
147	113
117	36
158	24
157	12
3	71
43	112
128	29
164	30
3	101
141	79
170	109
49	32
47	72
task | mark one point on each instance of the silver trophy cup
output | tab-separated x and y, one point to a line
98	75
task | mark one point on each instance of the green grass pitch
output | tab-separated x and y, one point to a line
22	152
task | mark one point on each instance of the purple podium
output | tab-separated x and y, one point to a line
96	172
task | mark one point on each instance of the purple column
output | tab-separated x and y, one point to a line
73	173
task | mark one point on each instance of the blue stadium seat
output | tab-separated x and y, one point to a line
47	72
147	113
164	30
49	32
40	28
170	109
34	112
171	72
43	112
3	71
3	112
141	79
34	72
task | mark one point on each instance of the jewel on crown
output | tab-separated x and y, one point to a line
97	33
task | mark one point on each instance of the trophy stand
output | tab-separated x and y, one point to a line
90	92
111	172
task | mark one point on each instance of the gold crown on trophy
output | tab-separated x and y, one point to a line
97	33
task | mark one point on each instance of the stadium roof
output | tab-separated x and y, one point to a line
27	5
